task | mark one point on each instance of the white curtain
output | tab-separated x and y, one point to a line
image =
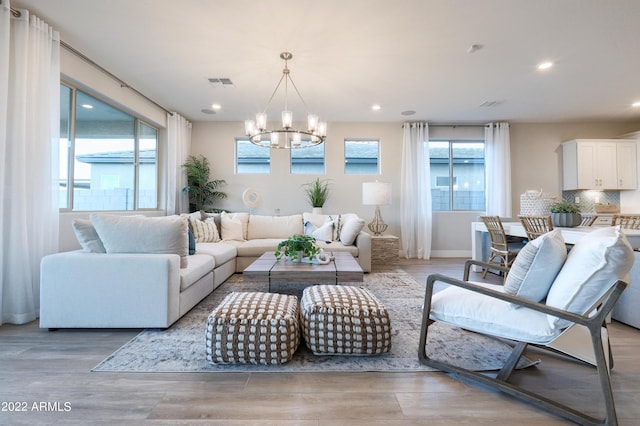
29	132
415	192
498	169
179	146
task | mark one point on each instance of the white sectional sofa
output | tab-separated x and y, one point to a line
135	272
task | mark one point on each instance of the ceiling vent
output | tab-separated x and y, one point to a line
490	104
221	82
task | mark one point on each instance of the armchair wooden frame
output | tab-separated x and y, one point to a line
501	380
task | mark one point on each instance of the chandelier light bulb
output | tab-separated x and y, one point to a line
275	137
322	129
287	119
297	137
249	127
261	121
312	121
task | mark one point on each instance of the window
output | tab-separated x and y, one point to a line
308	160
107	157
457	175
361	157
251	158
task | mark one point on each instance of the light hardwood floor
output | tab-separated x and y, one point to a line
38	366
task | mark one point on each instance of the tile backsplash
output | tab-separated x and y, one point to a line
589	198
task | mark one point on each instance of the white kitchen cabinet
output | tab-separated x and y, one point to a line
627	165
599	164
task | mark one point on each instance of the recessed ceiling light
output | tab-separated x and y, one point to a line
215	106
636	104
545	65
408	112
207	111
376	107
87	106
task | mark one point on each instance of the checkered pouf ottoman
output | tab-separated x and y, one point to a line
344	320
253	328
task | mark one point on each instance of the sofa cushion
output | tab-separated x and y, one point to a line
338	246
232	228
274	226
204	231
139	234
87	236
593	265
199	266
255	248
220	252
536	266
485	314
350	230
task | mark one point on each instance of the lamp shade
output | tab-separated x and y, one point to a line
376	193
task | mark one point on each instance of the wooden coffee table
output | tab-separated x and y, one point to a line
344	268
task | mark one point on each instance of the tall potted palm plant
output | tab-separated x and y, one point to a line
202	192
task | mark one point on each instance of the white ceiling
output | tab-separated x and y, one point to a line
350	54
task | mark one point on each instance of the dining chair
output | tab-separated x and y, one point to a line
535	226
588	219
500	253
626	221
563	303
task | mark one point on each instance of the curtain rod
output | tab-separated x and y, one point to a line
123	84
453	125
16	13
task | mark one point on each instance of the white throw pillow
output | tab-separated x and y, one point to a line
350	230
325	232
318	220
231	227
205	231
594	263
139	234
87	236
536	266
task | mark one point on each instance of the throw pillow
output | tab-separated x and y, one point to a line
536	266
231	227
318	220
205	231
350	230
324	233
139	234
192	243
87	236
593	265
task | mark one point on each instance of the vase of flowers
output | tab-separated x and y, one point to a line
298	248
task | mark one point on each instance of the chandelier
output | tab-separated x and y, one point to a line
287	136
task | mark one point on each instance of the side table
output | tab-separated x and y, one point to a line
385	250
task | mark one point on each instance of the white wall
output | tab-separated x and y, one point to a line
535	165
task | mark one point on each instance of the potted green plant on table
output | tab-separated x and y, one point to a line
298	247
202	191
317	193
565	214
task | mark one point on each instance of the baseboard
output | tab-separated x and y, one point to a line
451	253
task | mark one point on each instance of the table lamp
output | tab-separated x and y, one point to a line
376	194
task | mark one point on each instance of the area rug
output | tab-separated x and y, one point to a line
181	348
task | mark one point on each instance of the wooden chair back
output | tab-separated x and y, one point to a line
496	233
535	226
626	221
588	219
